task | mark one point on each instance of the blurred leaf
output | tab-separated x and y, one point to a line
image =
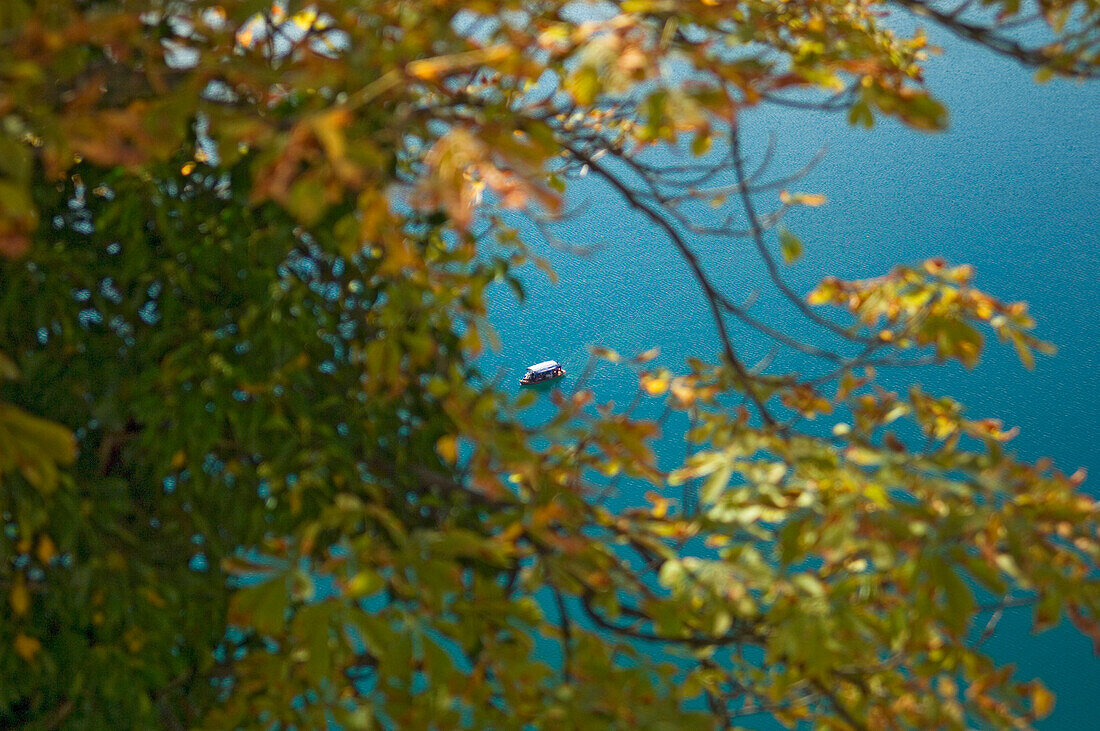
1042	700
262	606
790	245
447	448
583	84
801	199
26	647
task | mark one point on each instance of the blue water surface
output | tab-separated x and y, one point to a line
1013	187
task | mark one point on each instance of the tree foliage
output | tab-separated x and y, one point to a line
250	475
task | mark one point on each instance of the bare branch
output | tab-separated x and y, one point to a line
713	296
566	626
766	255
1059	56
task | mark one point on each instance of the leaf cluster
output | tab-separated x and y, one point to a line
250	476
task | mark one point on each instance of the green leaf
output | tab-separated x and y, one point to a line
716	482
364	583
583	84
313	625
700	144
1048	610
859	114
8	370
790	245
923	112
958	598
262	606
35	446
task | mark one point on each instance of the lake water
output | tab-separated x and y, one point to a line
1013	187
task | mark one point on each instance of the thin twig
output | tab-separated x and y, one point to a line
566	626
712	295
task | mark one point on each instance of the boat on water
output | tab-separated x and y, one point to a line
547	370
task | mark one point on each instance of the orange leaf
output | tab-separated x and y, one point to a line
655	385
20	598
26	647
447	447
802	199
13	243
1042	700
46	549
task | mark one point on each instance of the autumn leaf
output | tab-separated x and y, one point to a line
276	234
447	448
583	84
605	354
655	384
19	598
46	549
26	647
801	199
13	244
790	245
1042	700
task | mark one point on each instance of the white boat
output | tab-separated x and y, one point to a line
544	371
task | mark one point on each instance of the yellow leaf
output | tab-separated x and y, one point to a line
153	597
934	266
329	128
179	459
655	385
8	370
1042	700
584	84
878	495
305	18
364	583
511	533
802	199
683	391
244	35
863	456
20	598
660	504
430	69
447	447
26	647
46	549
700	145
134	639
605	353
42	438
790	245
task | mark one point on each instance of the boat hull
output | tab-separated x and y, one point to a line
546	379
